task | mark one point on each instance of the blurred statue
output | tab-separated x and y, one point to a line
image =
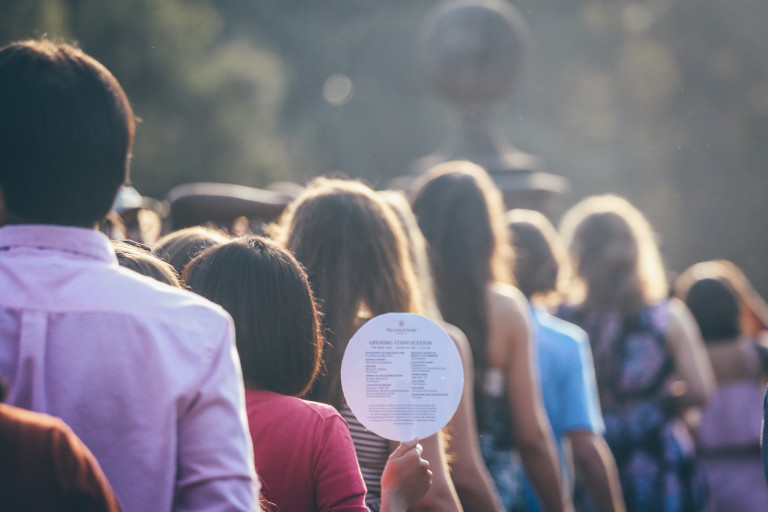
471	54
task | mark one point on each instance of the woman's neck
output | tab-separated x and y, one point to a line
253	384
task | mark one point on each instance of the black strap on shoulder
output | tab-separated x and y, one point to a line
762	352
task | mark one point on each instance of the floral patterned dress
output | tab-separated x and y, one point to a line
653	448
496	443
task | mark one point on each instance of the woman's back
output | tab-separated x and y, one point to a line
304	454
372	452
636	375
303	449
730	423
495	424
512	414
633	367
649	358
460	212
356	257
728	438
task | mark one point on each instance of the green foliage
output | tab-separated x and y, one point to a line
207	103
389	120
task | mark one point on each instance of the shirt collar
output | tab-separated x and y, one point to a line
81	241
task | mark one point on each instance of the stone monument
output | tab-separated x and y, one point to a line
471	53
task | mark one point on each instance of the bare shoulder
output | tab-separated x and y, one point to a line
509	325
505	301
678	308
459	339
681	319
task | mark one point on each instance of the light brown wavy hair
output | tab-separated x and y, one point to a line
614	255
356	257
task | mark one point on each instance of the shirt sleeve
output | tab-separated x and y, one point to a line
215	455
583	405
339	482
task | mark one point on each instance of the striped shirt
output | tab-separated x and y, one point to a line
372	454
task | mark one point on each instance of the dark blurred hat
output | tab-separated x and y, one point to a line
192	204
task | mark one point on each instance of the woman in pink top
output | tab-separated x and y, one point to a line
302	449
729	313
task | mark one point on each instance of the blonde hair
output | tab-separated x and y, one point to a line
614	255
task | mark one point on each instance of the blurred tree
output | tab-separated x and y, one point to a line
207	103
721	111
387	119
664	102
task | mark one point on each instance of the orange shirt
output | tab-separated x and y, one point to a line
45	466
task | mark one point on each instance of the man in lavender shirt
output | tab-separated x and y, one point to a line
145	374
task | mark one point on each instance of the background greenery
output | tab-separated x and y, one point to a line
664	102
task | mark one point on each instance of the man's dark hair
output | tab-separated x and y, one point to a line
66	130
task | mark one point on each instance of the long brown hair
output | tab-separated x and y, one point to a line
356	258
460	213
417	249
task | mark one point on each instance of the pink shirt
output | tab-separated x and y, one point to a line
304	455
145	374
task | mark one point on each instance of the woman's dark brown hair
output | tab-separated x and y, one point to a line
140	260
179	247
538	254
460	213
710	302
277	329
714	304
356	257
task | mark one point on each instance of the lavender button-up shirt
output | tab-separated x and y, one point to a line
147	375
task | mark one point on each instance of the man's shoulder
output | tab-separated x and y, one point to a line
160	294
89	288
158	302
12	417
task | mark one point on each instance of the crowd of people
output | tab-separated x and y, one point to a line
200	368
